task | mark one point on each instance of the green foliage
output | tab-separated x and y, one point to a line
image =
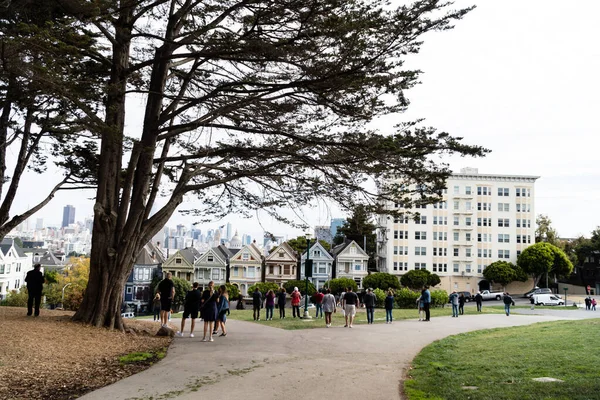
299	244
406	298
233	291
544	231
339	285
181	288
74	281
18	242
50	277
358	227
136	357
439	298
264	287
381	280
380	297
417	278
301	285
16	298
501	272
543	258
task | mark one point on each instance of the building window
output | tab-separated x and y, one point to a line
178	261
1	268
456	189
468	252
440	236
484	191
420	266
503	253
245	256
479	268
503	222
455	268
456	205
420	251
468	237
468	268
455	252
503	207
216	274
395	250
468	206
503	238
467	189
129	290
420	235
504	192
281	254
456	236
210	258
236	271
395	265
456	221
250	272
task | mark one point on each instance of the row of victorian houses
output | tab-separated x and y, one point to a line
245	264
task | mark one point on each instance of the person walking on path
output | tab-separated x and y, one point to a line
269	304
507	303
222	311
369	301
461	304
319	303
35	286
329	307
208	310
156	307
166	288
351	304
478	300
420	307
256	304
389	306
281	296
190	309
296	296
454	301
532	301
594	304
426	302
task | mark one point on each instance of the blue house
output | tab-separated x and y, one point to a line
138	291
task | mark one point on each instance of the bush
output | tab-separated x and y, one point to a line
407	298
181	288
301	285
16	298
263	288
380	297
234	292
339	285
381	280
439	298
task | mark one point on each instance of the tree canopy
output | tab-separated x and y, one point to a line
503	272
417	278
339	285
301	285
263	287
544	232
381	280
543	258
359	227
299	244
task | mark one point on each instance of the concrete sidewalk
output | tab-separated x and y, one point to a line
256	362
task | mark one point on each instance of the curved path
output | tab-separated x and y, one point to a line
258	362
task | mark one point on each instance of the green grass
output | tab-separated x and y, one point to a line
143	357
501	363
338	319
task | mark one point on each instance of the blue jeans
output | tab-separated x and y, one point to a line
269	311
507	309
455	310
319	308
370	313
388	315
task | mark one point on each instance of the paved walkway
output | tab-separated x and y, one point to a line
256	362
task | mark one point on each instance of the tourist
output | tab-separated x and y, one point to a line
190	309
222	311
319	303
281	297
588	303
454	301
35	286
426	302
369	301
329	307
507	303
270	304
389	306
296	296
208	310
594	304
240	303
350	306
206	294
156	307
478	300
461	304
256	304
166	288
420	307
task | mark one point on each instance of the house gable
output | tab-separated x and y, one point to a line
211	258
282	254
323	254
177	260
247	254
353	250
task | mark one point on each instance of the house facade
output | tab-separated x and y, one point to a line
181	264
14	265
138	288
245	267
212	266
281	264
322	265
351	261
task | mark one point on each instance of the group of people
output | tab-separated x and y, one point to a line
211	305
590	303
424	304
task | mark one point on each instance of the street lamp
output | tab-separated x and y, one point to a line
307	274
62	302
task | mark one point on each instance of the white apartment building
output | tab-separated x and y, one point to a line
482	218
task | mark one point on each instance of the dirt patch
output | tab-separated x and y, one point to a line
50	357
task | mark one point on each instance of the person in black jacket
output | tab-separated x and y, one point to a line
478	300
190	309
508	301
256	304
35	285
369	301
461	304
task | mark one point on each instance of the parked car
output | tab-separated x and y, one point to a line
468	296
539	291
487	295
530	292
548	300
127	315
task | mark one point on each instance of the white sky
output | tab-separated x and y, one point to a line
518	77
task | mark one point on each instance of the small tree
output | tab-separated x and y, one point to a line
379	296
264	287
339	285
301	285
17	298
181	288
542	258
439	298
234	292
418	278
381	280
501	272
406	298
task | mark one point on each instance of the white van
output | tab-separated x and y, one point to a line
548	300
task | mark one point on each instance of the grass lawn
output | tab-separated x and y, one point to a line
517	308
501	363
338	318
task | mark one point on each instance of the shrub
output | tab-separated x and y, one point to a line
234	292
407	298
381	280
380	297
263	288
339	285
16	298
439	298
301	285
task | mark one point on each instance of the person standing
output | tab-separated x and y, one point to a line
329	307
296	296
420	307
369	301
270	304
532	301
166	288
588	303
156	307
389	306
35	286
208	310
426	302
222	310
256	304
478	300
319	303
594	304
454	301
190	309
507	303
351	304
206	294
281	297
461	304
240	303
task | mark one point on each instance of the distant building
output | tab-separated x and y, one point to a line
335	224
229	231
39	223
14	264
323	232
138	289
68	216
351	261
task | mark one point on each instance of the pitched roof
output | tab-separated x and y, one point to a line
337	250
149	255
190	254
7	243
50	259
286	248
227	253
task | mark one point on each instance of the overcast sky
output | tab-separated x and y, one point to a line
518	77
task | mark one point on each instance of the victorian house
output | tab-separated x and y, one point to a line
281	264
322	265
351	262
14	265
212	266
181	264
245	265
138	288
